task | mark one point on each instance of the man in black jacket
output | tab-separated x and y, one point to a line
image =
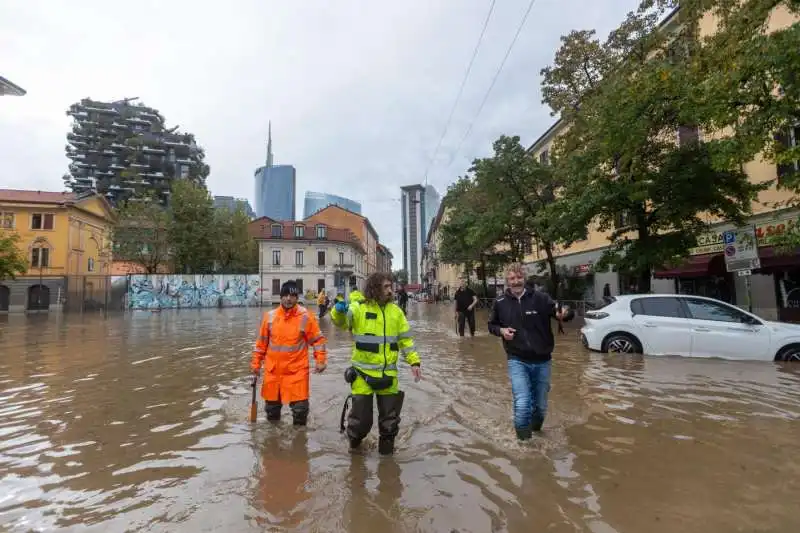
522	318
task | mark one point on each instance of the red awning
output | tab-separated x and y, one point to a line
771	259
695	266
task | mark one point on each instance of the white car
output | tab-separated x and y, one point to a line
690	326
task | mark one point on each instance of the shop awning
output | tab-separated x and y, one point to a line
695	266
772	260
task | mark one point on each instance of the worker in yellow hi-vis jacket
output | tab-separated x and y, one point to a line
380	333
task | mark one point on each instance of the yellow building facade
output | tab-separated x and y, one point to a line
441	279
62	236
704	274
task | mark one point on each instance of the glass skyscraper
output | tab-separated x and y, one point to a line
419	205
275	188
314	201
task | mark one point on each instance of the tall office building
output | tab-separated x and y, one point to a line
275	188
419	205
315	201
232	204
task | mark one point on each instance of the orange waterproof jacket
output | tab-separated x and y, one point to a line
282	347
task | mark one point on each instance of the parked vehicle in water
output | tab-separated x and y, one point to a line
689	326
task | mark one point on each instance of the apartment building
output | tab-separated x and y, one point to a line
339	217
440	280
122	149
775	287
315	255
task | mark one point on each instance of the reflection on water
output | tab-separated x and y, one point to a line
138	423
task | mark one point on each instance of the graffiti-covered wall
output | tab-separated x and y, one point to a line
172	291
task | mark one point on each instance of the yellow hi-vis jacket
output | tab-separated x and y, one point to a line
356	296
381	334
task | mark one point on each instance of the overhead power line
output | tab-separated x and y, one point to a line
460	90
494	80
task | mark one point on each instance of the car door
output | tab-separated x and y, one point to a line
663	325
722	330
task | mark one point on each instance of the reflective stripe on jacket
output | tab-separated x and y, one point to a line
282	347
380	335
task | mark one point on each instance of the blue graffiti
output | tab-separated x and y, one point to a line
176	291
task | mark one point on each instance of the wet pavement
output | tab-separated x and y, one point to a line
138	423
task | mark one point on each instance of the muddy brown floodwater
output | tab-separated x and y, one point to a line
138	423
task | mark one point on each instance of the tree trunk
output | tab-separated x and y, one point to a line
483	276
644	282
644	276
551	263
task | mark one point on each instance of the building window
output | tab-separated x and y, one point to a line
688	135
321	258
42	221
789	140
276	258
622	220
90	265
6	220
299	232
299	282
322	231
276	286
320	285
298	258
40	257
341	258
277	231
544	157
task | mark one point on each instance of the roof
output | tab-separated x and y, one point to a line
49	197
435	222
6	87
35	197
334	206
385	249
261	229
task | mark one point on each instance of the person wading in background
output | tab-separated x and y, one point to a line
402	299
322	303
282	348
381	333
522	318
466	300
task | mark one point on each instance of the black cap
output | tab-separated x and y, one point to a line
289	288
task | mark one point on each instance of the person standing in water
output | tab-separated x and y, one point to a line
282	349
466	300
381	334
522	318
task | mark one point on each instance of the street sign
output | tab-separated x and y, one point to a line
741	250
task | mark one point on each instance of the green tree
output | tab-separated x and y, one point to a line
400	276
624	171
12	258
192	233
236	250
525	190
141	234
746	84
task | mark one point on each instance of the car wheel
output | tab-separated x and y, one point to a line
622	343
789	353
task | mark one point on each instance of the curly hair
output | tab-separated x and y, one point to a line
374	288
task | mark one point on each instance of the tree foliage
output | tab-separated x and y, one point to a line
141	235
509	201
12	258
627	99
193	234
189	236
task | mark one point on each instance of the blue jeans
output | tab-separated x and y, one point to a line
530	383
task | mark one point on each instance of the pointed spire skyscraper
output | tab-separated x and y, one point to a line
269	145
275	187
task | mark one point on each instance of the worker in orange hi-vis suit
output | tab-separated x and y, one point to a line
282	347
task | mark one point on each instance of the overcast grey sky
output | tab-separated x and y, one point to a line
358	91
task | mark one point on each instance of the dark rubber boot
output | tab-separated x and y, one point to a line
524	433
389	407
359	420
537	423
386	445
299	412
354	443
273	410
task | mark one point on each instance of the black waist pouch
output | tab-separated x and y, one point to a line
381	383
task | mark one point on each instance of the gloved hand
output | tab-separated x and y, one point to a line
341	307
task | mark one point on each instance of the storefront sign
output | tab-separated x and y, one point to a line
766	234
582	270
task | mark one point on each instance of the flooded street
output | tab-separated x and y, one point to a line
138	423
